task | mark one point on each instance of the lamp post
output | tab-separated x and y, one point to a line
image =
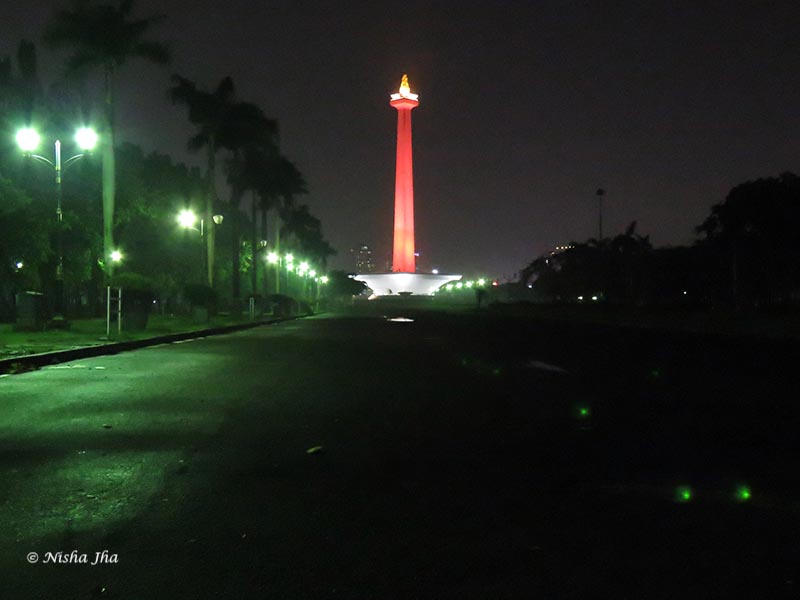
289	261
187	219
322	280
600	193
28	141
302	271
275	260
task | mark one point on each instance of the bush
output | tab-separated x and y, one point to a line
282	305
200	295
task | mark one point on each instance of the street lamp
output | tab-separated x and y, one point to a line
116	256
274	259
600	193
187	218
28	141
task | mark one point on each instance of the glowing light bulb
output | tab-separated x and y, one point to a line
187	218
28	139
86	138
683	493
743	493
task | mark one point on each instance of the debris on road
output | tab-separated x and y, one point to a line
543	366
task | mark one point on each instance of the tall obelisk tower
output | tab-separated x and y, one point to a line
403	260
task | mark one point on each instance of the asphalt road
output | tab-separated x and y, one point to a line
456	456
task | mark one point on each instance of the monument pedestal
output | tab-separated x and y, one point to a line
395	284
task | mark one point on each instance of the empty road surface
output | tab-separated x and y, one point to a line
403	454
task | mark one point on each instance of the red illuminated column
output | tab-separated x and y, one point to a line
403	260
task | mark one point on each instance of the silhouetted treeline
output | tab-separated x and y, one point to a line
747	255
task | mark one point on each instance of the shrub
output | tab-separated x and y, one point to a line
200	295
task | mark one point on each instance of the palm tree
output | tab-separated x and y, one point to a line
252	139
306	231
21	91
245	168
210	112
104	37
282	181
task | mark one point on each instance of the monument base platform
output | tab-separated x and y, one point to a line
396	284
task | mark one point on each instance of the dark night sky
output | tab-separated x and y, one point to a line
526	109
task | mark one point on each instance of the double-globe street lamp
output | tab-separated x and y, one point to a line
28	140
188	220
275	259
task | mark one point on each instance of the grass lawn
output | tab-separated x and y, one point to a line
92	332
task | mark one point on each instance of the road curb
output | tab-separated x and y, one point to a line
35	361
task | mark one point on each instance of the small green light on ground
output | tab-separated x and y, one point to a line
584	412
683	493
743	493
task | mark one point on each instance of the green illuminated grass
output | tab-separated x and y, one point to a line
91	332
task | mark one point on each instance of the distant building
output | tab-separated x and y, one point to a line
362	257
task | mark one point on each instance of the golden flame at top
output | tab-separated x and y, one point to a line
405	89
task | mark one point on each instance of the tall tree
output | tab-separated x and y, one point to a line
305	231
280	183
211	112
756	227
104	37
252	139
